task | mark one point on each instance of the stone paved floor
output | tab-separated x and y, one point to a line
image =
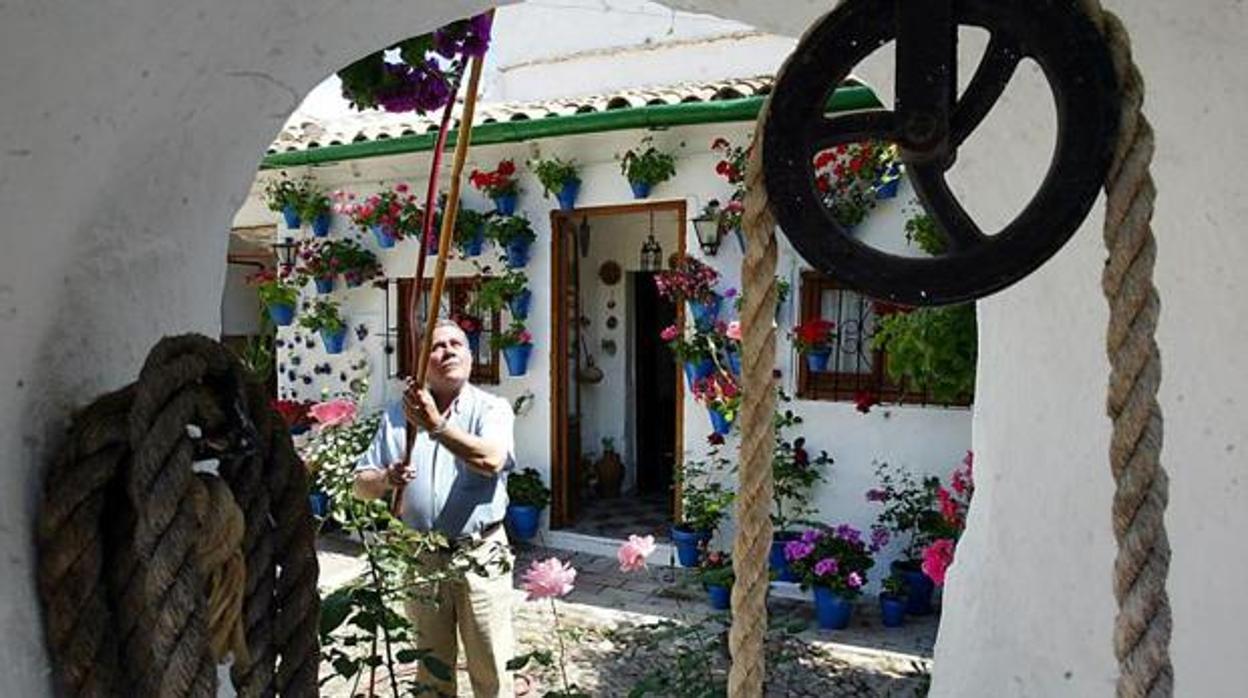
609	634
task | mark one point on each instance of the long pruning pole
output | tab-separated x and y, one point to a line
445	235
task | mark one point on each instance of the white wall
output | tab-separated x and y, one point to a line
144	122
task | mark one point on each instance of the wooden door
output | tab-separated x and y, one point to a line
566	473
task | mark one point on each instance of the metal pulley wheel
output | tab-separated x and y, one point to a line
928	124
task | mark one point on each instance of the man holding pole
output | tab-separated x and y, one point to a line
454	481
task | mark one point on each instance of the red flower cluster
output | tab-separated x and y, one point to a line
718	391
732	165
468	323
864	400
497	182
814	334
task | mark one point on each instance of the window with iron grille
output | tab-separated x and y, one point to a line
855	368
458	296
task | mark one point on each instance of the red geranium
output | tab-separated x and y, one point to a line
498	182
814	335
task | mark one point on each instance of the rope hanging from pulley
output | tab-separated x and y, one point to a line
1103	140
150	572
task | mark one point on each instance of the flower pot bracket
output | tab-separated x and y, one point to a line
928	124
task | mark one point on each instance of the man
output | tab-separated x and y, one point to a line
455	482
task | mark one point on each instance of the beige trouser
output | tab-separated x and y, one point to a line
480	606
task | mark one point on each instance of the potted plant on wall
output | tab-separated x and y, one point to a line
704	502
794	474
318	209
390	215
279	293
849	175
722	397
691	350
715	573
514	235
558	177
516	344
326	319
646	166
692	281
321	261
813	339
500	185
286	196
527	496
507	291
357	265
470	232
833	562
731	167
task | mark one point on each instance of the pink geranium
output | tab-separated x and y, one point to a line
333	413
734	330
548	579
937	558
633	553
669	333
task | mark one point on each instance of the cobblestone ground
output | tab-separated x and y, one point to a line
621	630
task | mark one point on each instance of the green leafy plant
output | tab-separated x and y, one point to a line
496	291
715	569
526	488
910	512
276	288
923	231
704	500
467	222
507	229
356	263
932	349
646	164
794	472
554	173
324	315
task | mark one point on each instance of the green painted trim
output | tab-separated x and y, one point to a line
655	116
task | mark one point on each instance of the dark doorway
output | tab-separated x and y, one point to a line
655	385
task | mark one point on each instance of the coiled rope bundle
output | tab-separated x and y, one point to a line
150	573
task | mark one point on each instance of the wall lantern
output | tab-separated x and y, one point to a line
286	251
651	251
708	228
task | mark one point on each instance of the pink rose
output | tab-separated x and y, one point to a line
669	333
401	188
333	413
734	330
633	553
854	580
937	558
548	579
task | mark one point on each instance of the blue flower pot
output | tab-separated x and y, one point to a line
720	597
472	246
474	341
334	341
705	313
640	189
567	195
696	370
719	423
734	362
776	560
321	224
892	611
319	503
523	520
325	285
888	185
505	204
282	314
517	357
299	429
687	543
291	215
817	361
519	304
517	254
385	238
832	611
919	588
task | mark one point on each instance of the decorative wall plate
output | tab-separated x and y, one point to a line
609	273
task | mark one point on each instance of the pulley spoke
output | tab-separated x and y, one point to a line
857	127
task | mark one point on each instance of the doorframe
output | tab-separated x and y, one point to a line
560	464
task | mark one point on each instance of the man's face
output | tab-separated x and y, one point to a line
450	361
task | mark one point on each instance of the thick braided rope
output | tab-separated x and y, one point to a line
138	600
754	495
1142	627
